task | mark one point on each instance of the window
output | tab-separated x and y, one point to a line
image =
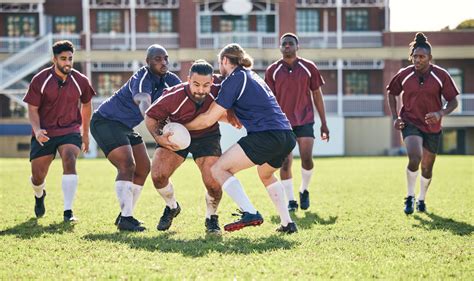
108	21
206	26
21	25
356	83
65	24
307	20
160	21
458	78
108	83
265	23
234	23
357	20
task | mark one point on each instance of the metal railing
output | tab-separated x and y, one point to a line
110	41
15	44
356	105
350	39
74	38
466	105
168	40
245	39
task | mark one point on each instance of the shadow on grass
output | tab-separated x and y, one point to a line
195	247
31	229
308	220
440	223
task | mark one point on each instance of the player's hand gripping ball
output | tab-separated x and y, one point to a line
180	136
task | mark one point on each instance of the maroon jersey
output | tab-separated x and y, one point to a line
58	102
422	94
177	105
292	86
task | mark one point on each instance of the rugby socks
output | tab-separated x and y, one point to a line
167	193
69	186
125	197
288	187
211	205
277	194
235	190
411	181
38	189
305	179
136	191
424	184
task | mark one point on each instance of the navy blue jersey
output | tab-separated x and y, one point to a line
121	107
253	102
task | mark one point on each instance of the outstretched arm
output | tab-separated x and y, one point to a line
319	104
143	100
206	119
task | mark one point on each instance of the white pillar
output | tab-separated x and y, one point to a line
86	30
387	15
133	26
339	23
41	19
325	28
340	88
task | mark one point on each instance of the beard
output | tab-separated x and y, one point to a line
199	98
65	69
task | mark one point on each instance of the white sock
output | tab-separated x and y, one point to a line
288	187
276	193
211	206
167	193
136	190
235	190
125	197
305	178
69	185
411	181
424	184
38	189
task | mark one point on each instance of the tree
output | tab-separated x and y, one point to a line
467	24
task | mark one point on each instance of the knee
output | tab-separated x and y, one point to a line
414	160
127	167
69	161
216	170
144	171
38	176
214	189
286	164
307	163
427	172
159	180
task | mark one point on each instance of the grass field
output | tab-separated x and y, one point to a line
355	228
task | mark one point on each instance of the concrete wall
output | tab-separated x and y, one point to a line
367	136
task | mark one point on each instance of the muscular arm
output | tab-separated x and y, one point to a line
143	100
33	115
398	123
208	118
155	127
434	117
319	104
86	113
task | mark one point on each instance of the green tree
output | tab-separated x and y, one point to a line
467	24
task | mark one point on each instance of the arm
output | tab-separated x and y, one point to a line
398	123
155	127
319	104
33	115
143	100
230	117
86	113
435	117
206	119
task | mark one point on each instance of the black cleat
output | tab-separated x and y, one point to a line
69	216
167	217
212	225
129	224
304	200
421	206
409	205
117	220
39	205
292	205
246	219
290	228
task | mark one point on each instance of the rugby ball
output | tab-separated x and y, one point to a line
180	136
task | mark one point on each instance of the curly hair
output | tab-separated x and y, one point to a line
420	41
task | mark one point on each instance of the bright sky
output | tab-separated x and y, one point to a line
428	15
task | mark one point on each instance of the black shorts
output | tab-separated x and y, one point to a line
270	147
305	130
430	141
110	134
202	147
51	146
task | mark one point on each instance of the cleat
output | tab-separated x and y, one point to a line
212	225
246	219
117	220
292	205
290	228
421	206
69	216
304	200
128	224
409	205
39	205
167	217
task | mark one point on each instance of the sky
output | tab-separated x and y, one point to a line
428	15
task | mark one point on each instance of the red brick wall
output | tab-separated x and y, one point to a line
187	24
287	15
57	8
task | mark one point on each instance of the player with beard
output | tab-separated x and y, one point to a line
59	109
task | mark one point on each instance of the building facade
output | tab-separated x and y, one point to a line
349	40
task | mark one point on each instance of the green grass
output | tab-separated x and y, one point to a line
354	229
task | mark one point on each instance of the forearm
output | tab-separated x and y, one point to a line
319	104
154	127
392	102
450	107
206	119
86	113
34	118
143	100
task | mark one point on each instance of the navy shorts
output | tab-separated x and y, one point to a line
202	147
270	147
110	134
430	141
306	130
52	145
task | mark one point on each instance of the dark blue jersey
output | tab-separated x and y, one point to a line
122	108
253	102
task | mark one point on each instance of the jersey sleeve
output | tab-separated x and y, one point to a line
231	89
269	78
33	95
141	82
449	90
316	78
87	92
159	110
395	86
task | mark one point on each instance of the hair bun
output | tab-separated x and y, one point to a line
420	38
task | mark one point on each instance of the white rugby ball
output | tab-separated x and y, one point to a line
180	136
